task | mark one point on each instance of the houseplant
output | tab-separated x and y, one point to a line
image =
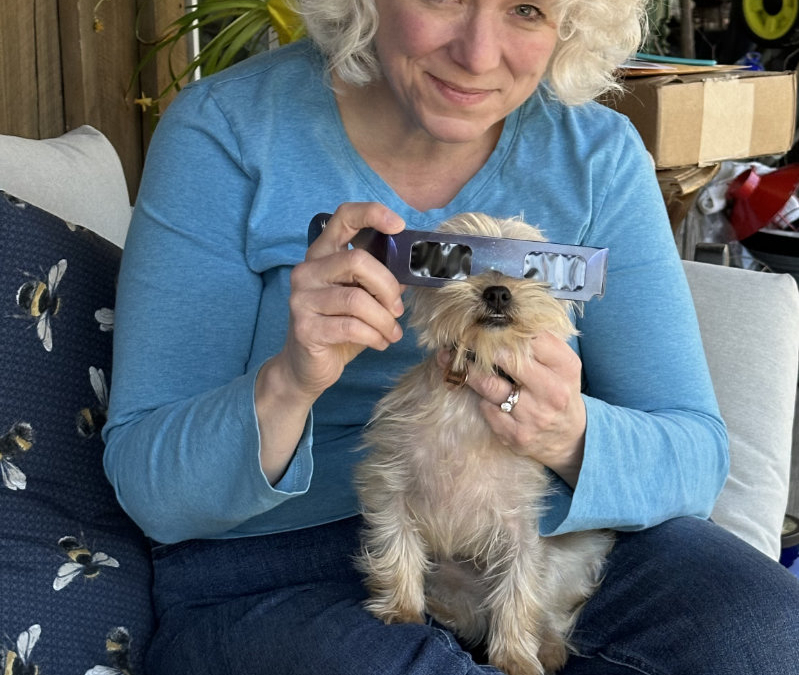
229	30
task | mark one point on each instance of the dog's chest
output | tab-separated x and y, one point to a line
464	491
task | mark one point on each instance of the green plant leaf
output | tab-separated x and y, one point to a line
243	23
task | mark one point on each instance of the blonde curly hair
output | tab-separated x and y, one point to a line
594	38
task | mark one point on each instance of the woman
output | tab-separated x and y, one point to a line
246	365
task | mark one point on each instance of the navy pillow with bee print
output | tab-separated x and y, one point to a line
75	572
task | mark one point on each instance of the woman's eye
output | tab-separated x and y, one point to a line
529	12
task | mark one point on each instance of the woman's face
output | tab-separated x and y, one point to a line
457	67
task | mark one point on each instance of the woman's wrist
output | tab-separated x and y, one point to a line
568	468
282	410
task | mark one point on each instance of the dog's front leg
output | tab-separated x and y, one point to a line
517	615
394	559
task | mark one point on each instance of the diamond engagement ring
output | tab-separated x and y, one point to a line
512	400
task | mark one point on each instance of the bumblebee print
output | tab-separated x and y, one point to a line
16	441
19	662
40	301
117	647
82	562
91	420
105	317
14	201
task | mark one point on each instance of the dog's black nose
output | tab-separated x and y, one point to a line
497	297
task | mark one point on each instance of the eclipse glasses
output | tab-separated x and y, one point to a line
422	258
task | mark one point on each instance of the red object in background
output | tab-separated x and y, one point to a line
757	199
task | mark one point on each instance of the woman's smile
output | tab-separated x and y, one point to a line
460	95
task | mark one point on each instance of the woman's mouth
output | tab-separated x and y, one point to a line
458	94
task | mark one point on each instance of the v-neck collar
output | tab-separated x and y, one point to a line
465	200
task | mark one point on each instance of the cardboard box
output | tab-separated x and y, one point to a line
702	118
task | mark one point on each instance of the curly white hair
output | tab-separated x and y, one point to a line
595	37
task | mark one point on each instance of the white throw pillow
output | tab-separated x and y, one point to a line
750	330
77	176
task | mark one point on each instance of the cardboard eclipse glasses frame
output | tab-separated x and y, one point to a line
421	258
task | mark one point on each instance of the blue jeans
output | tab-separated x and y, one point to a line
683	598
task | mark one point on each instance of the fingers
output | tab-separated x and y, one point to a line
544	417
548	384
555	367
556	354
553	361
347	221
330	262
354	268
342	300
331	315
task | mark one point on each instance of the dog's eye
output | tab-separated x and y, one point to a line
440	260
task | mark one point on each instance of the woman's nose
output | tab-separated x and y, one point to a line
477	45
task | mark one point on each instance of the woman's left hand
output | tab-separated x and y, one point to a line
548	421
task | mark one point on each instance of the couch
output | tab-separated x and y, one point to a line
74	570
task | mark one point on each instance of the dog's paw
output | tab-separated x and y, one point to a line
514	664
391	612
553	656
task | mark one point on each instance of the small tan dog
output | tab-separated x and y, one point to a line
452	513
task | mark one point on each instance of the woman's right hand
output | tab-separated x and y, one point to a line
342	301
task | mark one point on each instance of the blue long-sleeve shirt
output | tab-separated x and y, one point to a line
238	165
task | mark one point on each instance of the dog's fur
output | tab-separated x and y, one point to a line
452	513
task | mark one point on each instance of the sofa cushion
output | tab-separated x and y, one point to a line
74	571
77	176
750	330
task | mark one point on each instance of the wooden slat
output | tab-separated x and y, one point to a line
19	105
99	56
155	18
60	68
74	29
50	84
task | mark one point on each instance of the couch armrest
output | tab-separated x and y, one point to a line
750	330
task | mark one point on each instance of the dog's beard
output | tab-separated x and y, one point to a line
457	316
